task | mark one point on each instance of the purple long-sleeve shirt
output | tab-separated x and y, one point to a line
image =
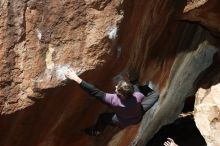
128	111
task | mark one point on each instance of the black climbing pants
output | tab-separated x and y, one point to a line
105	119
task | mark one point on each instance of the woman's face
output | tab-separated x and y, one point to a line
116	89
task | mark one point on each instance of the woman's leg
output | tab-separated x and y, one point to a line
103	121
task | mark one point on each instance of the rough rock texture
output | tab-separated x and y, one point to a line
100	39
207	114
40	39
204	12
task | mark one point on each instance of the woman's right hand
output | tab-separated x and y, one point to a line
71	74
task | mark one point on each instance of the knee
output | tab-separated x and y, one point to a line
104	117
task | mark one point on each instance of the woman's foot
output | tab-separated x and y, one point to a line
92	131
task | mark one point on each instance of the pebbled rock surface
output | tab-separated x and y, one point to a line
207	110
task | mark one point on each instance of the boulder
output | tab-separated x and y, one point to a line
207	114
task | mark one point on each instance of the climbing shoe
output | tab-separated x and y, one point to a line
92	131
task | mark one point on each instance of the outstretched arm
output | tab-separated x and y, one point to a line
91	89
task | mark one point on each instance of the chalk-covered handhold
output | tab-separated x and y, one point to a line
112	34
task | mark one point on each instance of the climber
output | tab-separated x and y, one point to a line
125	103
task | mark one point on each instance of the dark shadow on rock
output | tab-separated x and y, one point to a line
210	76
71	131
43	121
26	127
183	131
189	104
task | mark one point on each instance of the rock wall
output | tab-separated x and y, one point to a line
204	12
207	114
101	39
39	39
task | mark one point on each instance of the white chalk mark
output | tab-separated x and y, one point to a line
112	34
61	70
39	35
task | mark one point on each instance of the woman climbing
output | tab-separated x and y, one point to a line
125	102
